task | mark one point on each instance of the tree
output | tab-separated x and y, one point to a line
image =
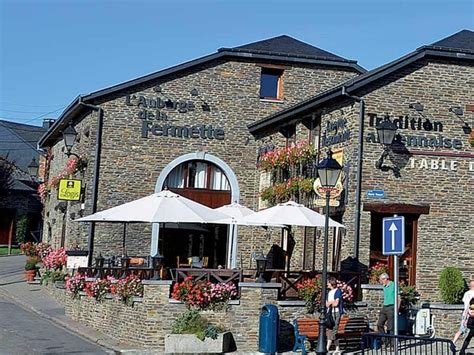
6	175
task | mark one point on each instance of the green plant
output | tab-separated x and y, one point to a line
52	276
192	322
21	228
451	285
310	291
31	263
409	296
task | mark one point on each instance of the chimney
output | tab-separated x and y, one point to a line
48	122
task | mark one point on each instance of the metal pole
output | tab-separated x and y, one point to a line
360	151
322	341
395	304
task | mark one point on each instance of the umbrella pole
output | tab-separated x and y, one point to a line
123	238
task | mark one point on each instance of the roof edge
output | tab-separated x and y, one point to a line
271	122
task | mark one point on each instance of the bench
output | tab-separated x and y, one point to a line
308	329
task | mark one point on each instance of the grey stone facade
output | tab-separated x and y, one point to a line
438	177
130	164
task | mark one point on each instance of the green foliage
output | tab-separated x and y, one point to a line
21	228
31	263
191	322
451	285
409	296
52	276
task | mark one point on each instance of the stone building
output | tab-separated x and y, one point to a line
428	175
184	128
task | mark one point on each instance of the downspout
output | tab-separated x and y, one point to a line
95	183
360	150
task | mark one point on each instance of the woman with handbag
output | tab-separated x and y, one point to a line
470	327
335	307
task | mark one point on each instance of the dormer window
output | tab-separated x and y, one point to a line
270	84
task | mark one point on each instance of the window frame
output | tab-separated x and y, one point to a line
276	69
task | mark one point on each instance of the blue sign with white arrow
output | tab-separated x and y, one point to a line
393	235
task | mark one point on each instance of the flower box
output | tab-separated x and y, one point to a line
190	344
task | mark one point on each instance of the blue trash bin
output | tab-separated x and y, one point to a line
268	329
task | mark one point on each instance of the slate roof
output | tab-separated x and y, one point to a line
455	47
460	41
287	46
18	142
279	49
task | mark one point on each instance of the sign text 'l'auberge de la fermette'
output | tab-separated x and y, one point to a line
154	113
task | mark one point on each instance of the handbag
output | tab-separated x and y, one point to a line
330	322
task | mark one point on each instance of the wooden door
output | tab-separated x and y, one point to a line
7	218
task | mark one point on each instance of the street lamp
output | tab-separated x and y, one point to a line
33	168
328	170
386	133
69	136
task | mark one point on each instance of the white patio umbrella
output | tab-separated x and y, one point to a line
161	207
235	212
291	214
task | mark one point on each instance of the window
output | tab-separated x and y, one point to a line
270	84
197	175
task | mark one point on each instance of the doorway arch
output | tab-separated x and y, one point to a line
235	196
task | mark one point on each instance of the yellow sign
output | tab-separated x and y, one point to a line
322	202
69	190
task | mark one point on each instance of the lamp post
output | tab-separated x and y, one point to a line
33	168
328	170
69	136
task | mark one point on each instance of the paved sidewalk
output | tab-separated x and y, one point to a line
33	298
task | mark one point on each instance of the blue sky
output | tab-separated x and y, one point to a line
52	51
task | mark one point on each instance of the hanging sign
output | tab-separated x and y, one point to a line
69	190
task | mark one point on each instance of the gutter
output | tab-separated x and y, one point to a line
95	183
360	151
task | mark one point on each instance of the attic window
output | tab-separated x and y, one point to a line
270	84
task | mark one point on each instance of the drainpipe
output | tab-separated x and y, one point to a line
95	183
360	150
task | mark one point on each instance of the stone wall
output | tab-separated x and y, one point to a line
149	320
427	174
131	164
446	321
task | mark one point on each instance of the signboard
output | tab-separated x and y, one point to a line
322	202
69	190
74	262
376	194
393	235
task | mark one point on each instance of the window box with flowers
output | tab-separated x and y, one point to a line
292	173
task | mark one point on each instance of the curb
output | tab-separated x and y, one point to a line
94	339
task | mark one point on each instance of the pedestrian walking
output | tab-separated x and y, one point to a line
470	328
387	312
335	306
468	296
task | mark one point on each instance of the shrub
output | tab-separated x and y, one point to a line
98	289
191	322
127	288
310	291
375	272
203	294
55	259
53	276
21	228
409	296
75	284
31	263
451	285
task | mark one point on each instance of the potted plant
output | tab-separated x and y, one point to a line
192	333
31	268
